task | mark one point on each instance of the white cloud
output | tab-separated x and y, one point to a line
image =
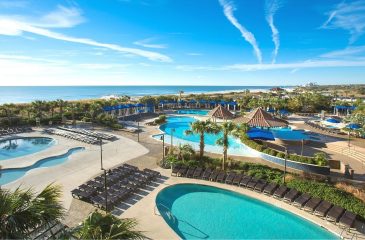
62	17
16	26
228	10
349	52
147	43
271	6
348	16
280	66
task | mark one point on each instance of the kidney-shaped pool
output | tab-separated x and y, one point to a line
19	147
196	211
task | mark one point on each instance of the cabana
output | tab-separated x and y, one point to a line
192	103
168	104
332	120
234	104
221	113
261	119
343	110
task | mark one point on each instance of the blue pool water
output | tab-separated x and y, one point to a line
180	124
19	147
193	111
204	212
10	175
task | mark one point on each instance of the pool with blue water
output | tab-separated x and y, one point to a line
19	147
177	125
12	174
196	211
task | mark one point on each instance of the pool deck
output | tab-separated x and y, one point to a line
78	169
155	227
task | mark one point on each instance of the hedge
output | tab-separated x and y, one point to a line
330	193
319	159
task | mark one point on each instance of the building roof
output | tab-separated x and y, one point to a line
260	118
221	112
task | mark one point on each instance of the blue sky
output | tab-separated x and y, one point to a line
181	42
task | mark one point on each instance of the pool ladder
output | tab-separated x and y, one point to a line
168	212
347	232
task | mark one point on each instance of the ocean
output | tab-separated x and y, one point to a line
24	94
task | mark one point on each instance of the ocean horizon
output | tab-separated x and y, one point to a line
26	94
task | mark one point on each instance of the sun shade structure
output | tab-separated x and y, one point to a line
353	126
220	112
332	120
261	118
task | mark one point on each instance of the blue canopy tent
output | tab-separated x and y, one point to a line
332	120
343	109
353	126
271	110
255	133
283	112
232	103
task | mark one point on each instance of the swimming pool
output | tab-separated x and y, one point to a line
18	147
181	123
196	211
193	112
12	174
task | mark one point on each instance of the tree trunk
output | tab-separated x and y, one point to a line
224	156
201	153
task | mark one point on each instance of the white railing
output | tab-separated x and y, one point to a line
168	212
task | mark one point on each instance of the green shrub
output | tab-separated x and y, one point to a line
280	155
330	193
160	120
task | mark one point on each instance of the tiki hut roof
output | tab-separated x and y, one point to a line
220	112
260	118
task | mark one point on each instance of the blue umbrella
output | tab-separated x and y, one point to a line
256	133
353	126
332	120
283	111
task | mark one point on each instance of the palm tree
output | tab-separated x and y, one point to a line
7	109
52	105
73	108
230	128
38	107
202	127
100	226
61	104
94	109
180	94
21	211
186	151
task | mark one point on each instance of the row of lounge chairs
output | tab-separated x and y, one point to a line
322	208
323	129
14	130
89	133
72	135
121	183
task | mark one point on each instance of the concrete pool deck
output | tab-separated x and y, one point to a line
80	167
155	227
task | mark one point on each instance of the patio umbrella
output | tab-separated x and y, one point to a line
332	120
353	126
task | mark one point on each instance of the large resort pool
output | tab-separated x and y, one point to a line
18	147
177	125
202	212
12	174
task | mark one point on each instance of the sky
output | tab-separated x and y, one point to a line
182	42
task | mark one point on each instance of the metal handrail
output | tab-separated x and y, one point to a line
170	214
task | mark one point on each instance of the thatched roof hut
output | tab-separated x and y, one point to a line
261	118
